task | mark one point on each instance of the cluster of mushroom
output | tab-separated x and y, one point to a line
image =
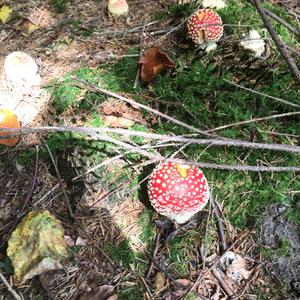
178	191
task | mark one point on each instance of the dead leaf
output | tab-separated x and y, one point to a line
119	114
153	62
112	121
159	281
37	245
5	13
27	27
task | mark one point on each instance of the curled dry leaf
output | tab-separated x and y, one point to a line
8	120
180	289
112	121
39	18
153	62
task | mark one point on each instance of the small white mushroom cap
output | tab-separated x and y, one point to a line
118	7
20	66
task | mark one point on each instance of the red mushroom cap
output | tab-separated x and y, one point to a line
178	191
199	28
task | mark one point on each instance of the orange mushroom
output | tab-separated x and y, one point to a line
8	120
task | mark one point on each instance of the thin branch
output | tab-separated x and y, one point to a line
157	240
226	288
255	120
136	104
262	94
98	134
278	42
202	274
280	20
66	197
95	133
10	289
220	222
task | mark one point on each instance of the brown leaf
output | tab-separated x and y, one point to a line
153	62
119	114
112	121
103	292
159	281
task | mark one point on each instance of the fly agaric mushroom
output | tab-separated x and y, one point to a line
205	26
178	191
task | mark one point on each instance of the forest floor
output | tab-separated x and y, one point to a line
245	244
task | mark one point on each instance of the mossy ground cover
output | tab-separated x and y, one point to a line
207	101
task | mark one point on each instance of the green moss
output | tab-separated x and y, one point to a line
121	253
59	5
133	293
178	249
148	231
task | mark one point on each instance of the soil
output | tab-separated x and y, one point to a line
276	229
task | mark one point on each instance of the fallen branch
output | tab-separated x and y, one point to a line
97	134
60	181
280	20
94	88
278	42
101	134
226	288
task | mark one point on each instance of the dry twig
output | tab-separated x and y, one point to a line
262	94
97	134
278	42
255	120
10	289
66	197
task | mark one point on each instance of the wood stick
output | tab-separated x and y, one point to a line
10	289
278	42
